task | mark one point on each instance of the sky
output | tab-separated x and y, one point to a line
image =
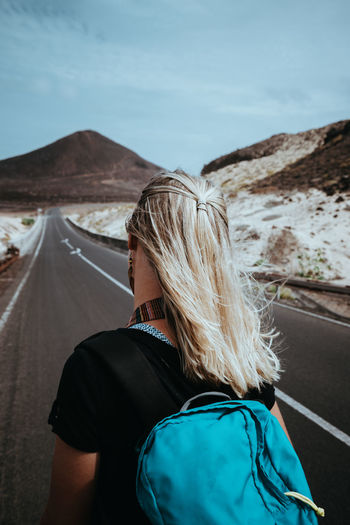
178	82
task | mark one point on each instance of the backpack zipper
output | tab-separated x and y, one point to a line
319	511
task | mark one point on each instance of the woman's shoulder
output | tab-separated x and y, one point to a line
83	370
266	394
99	345
100	341
104	355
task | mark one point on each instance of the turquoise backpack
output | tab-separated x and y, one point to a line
221	463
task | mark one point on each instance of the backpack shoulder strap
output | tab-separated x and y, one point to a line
132	370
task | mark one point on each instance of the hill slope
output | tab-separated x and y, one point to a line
318	158
84	166
288	202
326	168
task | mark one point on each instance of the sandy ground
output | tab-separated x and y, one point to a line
104	219
12	229
299	234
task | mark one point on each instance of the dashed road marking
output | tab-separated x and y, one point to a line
77	251
66	241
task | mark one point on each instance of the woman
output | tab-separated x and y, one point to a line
199	330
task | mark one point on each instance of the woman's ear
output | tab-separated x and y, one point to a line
132	242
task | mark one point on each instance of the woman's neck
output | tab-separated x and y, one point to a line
146	288
152	313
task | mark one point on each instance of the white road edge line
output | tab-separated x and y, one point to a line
339	434
15	296
312	314
118	283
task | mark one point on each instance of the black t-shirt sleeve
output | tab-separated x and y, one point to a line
269	395
74	414
266	394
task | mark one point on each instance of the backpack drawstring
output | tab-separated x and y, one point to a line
319	511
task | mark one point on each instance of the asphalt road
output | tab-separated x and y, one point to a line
65	299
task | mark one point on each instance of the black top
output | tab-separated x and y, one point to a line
93	413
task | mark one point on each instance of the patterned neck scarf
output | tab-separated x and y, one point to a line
148	311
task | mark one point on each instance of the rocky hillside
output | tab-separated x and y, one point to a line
289	202
318	158
82	167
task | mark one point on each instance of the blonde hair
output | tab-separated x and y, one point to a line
181	223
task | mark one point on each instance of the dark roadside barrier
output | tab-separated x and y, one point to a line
116	244
301	283
9	258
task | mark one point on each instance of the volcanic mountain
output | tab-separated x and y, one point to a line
318	158
83	167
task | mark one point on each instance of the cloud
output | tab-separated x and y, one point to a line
288	95
277	103
42	42
42	85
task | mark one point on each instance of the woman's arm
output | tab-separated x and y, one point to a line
72	486
277	413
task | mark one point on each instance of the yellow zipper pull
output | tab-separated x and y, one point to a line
319	511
